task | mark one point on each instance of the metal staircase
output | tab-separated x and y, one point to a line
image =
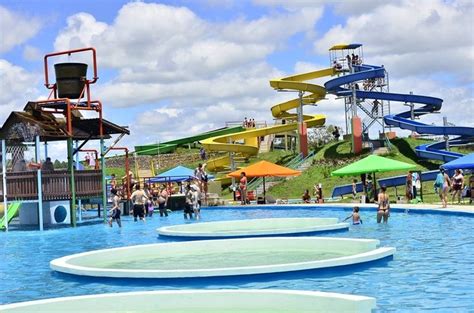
297	163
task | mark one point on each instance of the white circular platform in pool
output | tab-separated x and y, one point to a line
224	257
200	301
253	228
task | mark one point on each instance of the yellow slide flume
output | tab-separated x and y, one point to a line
249	137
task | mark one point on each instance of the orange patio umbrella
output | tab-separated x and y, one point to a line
265	169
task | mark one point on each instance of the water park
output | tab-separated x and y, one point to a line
220	221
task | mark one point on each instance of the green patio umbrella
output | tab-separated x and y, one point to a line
371	165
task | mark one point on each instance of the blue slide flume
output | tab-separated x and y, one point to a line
402	120
434	151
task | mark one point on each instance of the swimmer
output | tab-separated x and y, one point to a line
355	216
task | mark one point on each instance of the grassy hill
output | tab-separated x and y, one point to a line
336	155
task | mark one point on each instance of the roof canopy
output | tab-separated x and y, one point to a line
265	169
373	164
345	46
466	162
24	126
177	174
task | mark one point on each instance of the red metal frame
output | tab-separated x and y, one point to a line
91	105
127	168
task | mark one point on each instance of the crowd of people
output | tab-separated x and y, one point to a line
445	184
153	196
317	193
249	123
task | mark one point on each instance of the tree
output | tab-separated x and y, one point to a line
321	135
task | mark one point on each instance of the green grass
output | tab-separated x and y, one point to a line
337	155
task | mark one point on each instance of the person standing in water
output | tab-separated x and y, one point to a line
115	211
355	216
383	211
138	199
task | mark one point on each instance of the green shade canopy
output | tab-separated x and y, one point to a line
373	164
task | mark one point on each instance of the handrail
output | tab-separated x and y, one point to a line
293	164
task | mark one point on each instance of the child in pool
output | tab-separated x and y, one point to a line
355	216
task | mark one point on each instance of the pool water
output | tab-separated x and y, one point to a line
431	270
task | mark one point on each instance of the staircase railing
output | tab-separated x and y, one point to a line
293	164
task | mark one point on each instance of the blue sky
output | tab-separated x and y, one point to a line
174	68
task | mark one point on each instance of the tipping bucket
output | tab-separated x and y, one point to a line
70	79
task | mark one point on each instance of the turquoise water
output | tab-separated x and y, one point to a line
432	269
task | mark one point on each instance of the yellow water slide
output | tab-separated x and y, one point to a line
245	143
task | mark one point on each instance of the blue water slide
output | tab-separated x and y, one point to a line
434	151
402	120
388	182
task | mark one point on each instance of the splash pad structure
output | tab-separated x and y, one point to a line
254	228
227	257
46	195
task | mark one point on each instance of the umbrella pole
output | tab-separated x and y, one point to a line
374	187
264	201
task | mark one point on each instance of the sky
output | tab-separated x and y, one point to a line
170	69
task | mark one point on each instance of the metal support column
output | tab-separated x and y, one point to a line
446	137
299	111
412	107
232	168
40	184
104	182
72	183
4	181
45	150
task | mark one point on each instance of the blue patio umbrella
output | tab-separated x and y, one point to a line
177	174
466	162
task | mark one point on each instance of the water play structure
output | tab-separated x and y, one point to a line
254	228
225	257
47	196
365	87
211	301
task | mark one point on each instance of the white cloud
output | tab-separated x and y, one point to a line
31	53
412	37
17	87
16	29
206	72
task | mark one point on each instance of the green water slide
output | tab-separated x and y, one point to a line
170	146
13	209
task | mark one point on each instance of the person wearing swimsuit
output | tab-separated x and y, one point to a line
243	188
383	211
443	194
458	185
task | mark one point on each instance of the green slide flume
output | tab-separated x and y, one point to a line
170	146
13	209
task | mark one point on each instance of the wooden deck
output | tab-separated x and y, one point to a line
55	185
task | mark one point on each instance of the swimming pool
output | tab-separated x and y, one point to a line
432	268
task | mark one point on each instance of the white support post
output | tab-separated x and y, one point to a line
45	150
40	185
79	202
4	181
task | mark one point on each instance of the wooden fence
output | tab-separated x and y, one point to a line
55	185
